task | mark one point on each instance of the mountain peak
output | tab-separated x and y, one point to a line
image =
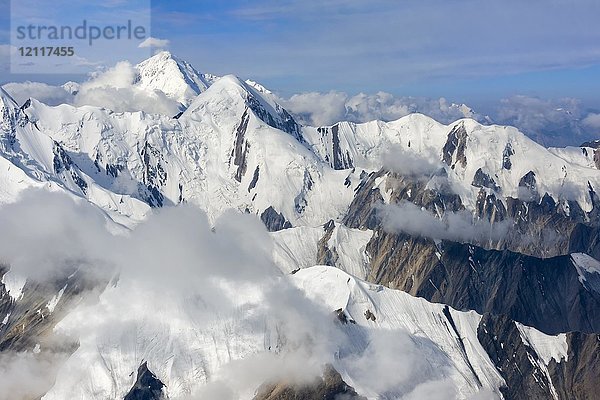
229	92
175	77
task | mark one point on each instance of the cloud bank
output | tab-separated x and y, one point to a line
458	226
551	122
113	88
318	109
178	278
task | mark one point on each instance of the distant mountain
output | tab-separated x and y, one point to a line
174	77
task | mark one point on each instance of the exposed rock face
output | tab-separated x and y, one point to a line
31	318
147	386
254	180
300	201
506	154
526	373
577	378
282	120
64	165
274	221
594	144
328	387
325	255
486	277
454	149
362	212
154	177
489	207
544	293
339	159
481	180
518	363
529	183
240	150
539	227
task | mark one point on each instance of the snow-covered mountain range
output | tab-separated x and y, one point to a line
416	259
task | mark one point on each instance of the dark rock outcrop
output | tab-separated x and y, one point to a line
154	176
328	387
274	221
456	144
525	372
506	154
282	119
326	255
518	363
241	146
481	180
577	377
543	293
254	181
147	386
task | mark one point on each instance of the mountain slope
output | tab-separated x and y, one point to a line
448	217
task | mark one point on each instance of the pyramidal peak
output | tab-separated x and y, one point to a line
175	77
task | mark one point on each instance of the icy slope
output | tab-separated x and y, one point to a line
219	154
466	149
337	245
186	345
31	158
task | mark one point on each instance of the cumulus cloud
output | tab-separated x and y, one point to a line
45	235
154	42
551	122
459	226
318	109
176	267
411	165
389	376
180	277
48	94
115	89
26	375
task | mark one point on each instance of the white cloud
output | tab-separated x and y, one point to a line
154	42
395	377
592	120
317	109
411	165
27	375
115	89
48	94
176	268
455	226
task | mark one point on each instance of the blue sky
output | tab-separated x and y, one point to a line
454	48
473	51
